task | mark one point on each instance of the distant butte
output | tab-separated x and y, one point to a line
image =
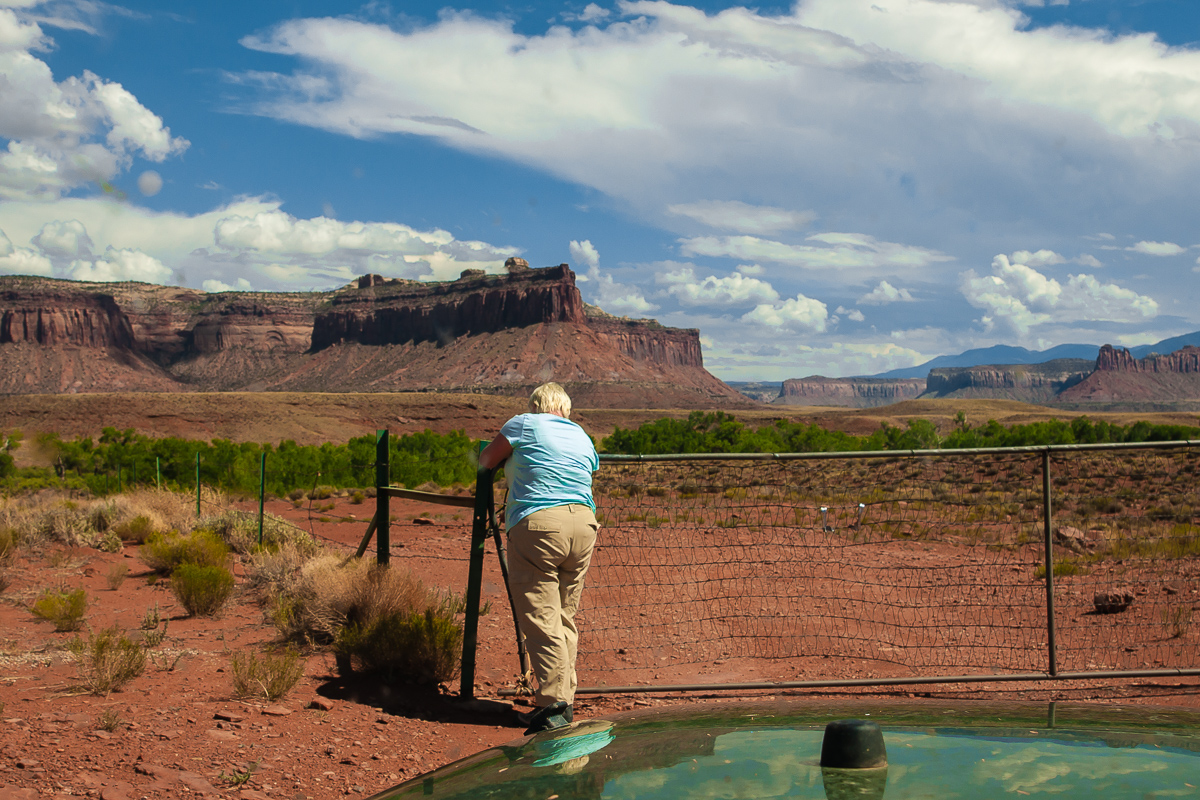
498	334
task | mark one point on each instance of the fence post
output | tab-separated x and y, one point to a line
197	483
262	492
1048	518
157	473
479	534
383	479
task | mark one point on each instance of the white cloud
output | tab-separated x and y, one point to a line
64	239
743	217
64	134
1089	260
150	183
841	251
1042	258
249	238
21	260
1133	85
122	265
850	313
591	13
213	286
615	298
1022	298
1157	248
798	314
735	289
885	293
750	269
584	254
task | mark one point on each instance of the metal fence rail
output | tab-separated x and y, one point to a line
807	569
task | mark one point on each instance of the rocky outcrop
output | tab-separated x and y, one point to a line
492	333
1158	381
1184	360
1029	383
817	390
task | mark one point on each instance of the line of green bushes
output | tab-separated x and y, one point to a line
718	432
120	459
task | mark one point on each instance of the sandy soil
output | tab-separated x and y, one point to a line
182	731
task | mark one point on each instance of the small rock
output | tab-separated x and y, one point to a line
1113	601
26	763
113	793
229	716
320	704
223	736
276	711
423	521
13	793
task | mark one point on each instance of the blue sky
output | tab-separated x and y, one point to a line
832	187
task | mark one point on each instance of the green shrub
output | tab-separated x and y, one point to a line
321	493
414	648
166	552
65	609
296	494
116	575
357	497
240	531
109	542
108	660
202	590
266	675
137	529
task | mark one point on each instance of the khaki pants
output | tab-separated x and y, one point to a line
548	556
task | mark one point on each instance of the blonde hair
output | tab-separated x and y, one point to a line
550	398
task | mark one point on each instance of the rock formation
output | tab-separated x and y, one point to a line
849	392
1028	383
1155	380
490	333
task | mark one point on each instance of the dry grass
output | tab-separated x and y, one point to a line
240	531
265	674
328	596
116	575
108	660
55	516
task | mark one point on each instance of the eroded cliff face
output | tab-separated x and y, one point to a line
480	333
1185	360
1030	383
408	311
817	390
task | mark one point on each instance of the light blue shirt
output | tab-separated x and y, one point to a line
551	464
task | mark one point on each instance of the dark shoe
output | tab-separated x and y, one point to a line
547	718
525	718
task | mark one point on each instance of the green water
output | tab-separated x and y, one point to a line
783	763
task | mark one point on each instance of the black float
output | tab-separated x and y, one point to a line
853	760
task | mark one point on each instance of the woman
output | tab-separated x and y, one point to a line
551	524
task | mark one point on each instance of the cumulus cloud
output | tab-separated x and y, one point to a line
122	265
1089	260
797	314
213	286
735	289
832	251
591	13
22	260
1022	298
62	134
852	314
733	215
250	238
885	293
64	239
1157	248
1041	258
615	298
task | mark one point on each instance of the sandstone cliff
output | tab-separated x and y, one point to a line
848	392
1153	380
1028	383
479	333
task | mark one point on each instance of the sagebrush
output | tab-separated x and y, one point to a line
203	591
108	660
269	675
64	608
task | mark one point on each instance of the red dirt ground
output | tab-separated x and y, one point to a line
183	733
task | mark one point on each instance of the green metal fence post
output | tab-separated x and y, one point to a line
383	479
484	504
197	483
262	492
1047	513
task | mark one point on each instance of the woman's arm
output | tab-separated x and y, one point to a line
495	453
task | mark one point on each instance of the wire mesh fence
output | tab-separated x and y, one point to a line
891	565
